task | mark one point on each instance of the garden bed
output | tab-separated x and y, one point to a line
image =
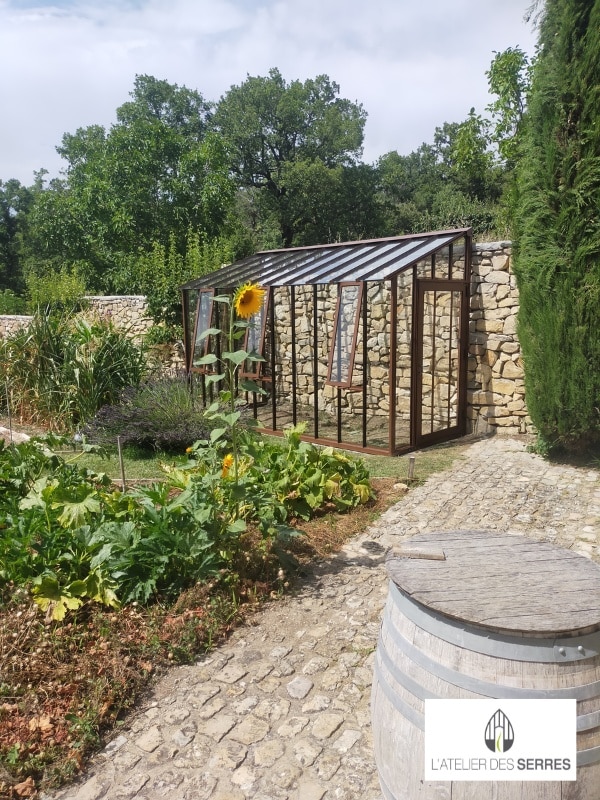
66	685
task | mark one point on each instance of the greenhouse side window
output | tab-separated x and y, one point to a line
254	340
203	323
345	333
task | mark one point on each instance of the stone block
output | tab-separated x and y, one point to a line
500	262
502	387
490	325
498	276
510	325
512	370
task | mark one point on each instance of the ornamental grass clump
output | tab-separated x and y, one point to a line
61	369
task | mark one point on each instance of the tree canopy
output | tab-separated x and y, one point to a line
277	132
178	184
158	173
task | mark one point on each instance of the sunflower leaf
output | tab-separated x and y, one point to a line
236	357
208	332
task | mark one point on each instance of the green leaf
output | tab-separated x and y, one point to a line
208	332
248	385
208	359
210	379
203	514
216	433
236	357
74	513
46	586
78	588
232	418
237	526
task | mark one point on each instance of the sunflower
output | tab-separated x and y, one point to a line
248	300
227	464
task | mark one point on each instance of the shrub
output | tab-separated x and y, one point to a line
62	289
557	229
10	303
159	414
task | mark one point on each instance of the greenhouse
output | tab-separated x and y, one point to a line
364	342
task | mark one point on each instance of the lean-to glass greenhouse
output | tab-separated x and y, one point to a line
365	342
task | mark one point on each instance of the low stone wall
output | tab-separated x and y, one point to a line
11	323
129	313
496	389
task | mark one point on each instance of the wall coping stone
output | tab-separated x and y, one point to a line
491	245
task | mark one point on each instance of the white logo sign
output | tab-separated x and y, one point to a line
500	740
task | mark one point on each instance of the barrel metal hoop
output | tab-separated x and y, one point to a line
586	691
385	790
417	719
584	722
585	757
554	650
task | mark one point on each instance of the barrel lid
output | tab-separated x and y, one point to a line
500	581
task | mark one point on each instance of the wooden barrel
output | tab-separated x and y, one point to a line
476	614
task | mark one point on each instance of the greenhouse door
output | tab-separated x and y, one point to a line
440	361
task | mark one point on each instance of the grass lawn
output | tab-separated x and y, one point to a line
146	466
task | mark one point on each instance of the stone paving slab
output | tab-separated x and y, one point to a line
281	711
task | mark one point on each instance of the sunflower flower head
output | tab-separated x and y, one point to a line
248	300
227	464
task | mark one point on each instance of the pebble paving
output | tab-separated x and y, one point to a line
281	710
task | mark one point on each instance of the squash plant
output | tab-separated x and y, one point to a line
71	537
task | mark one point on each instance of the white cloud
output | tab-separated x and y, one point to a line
412	65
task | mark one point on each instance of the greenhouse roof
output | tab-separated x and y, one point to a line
367	260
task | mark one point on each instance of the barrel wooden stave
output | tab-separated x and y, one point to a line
412	663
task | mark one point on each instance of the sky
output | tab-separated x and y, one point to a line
412	64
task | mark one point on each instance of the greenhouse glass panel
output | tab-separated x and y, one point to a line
203	320
343	350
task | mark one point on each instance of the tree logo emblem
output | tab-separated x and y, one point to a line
499	733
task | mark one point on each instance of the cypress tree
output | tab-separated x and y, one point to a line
557	228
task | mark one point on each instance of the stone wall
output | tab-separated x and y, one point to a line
128	313
496	391
11	323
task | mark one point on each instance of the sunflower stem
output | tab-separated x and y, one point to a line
231	380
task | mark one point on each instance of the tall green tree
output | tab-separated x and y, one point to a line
453	182
557	227
16	201
276	130
509	79
155	175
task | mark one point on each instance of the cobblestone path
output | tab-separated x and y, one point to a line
281	711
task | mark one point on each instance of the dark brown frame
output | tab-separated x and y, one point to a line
282	270
255	373
206	348
418	438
